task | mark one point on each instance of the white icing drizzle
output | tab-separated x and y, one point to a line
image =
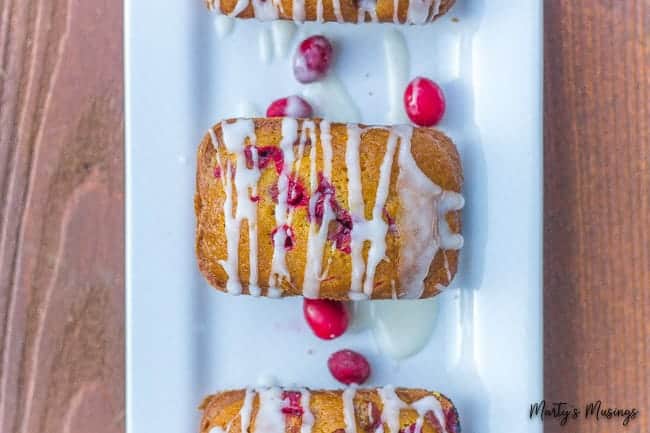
265	10
402	328
293	106
423	232
392	405
422	11
245	182
282	32
378	228
429	404
329	261
307	419
371	417
331	99
301	153
336	4
326	145
279	6
375	229
246	410
247	209
231	264
348	409
369	7
419	11
317	235
215	145
270	418
223	24
298	10
265	46
357	296
239	7
396	12
397	73
274	292
279	269
435	9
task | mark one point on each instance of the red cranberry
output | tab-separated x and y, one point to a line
324	186
349	367
296	194
312	60
217	172
433	420
341	235
291	106
293	406
274	192
387	217
424	102
289	240
451	419
341	229
325	191
410	429
392	227
248	154
268	154
328	319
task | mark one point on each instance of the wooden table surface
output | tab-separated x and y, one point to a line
62	220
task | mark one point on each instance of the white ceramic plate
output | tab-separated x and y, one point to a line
185	340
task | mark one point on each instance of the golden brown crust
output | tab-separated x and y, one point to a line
433	152
222	410
349	10
443	166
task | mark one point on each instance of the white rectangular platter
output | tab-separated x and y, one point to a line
185	340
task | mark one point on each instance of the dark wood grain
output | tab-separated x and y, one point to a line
597	207
61	218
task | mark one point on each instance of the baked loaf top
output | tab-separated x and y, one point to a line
327	210
381	410
354	11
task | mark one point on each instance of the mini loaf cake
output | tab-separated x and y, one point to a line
354	11
381	410
327	210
